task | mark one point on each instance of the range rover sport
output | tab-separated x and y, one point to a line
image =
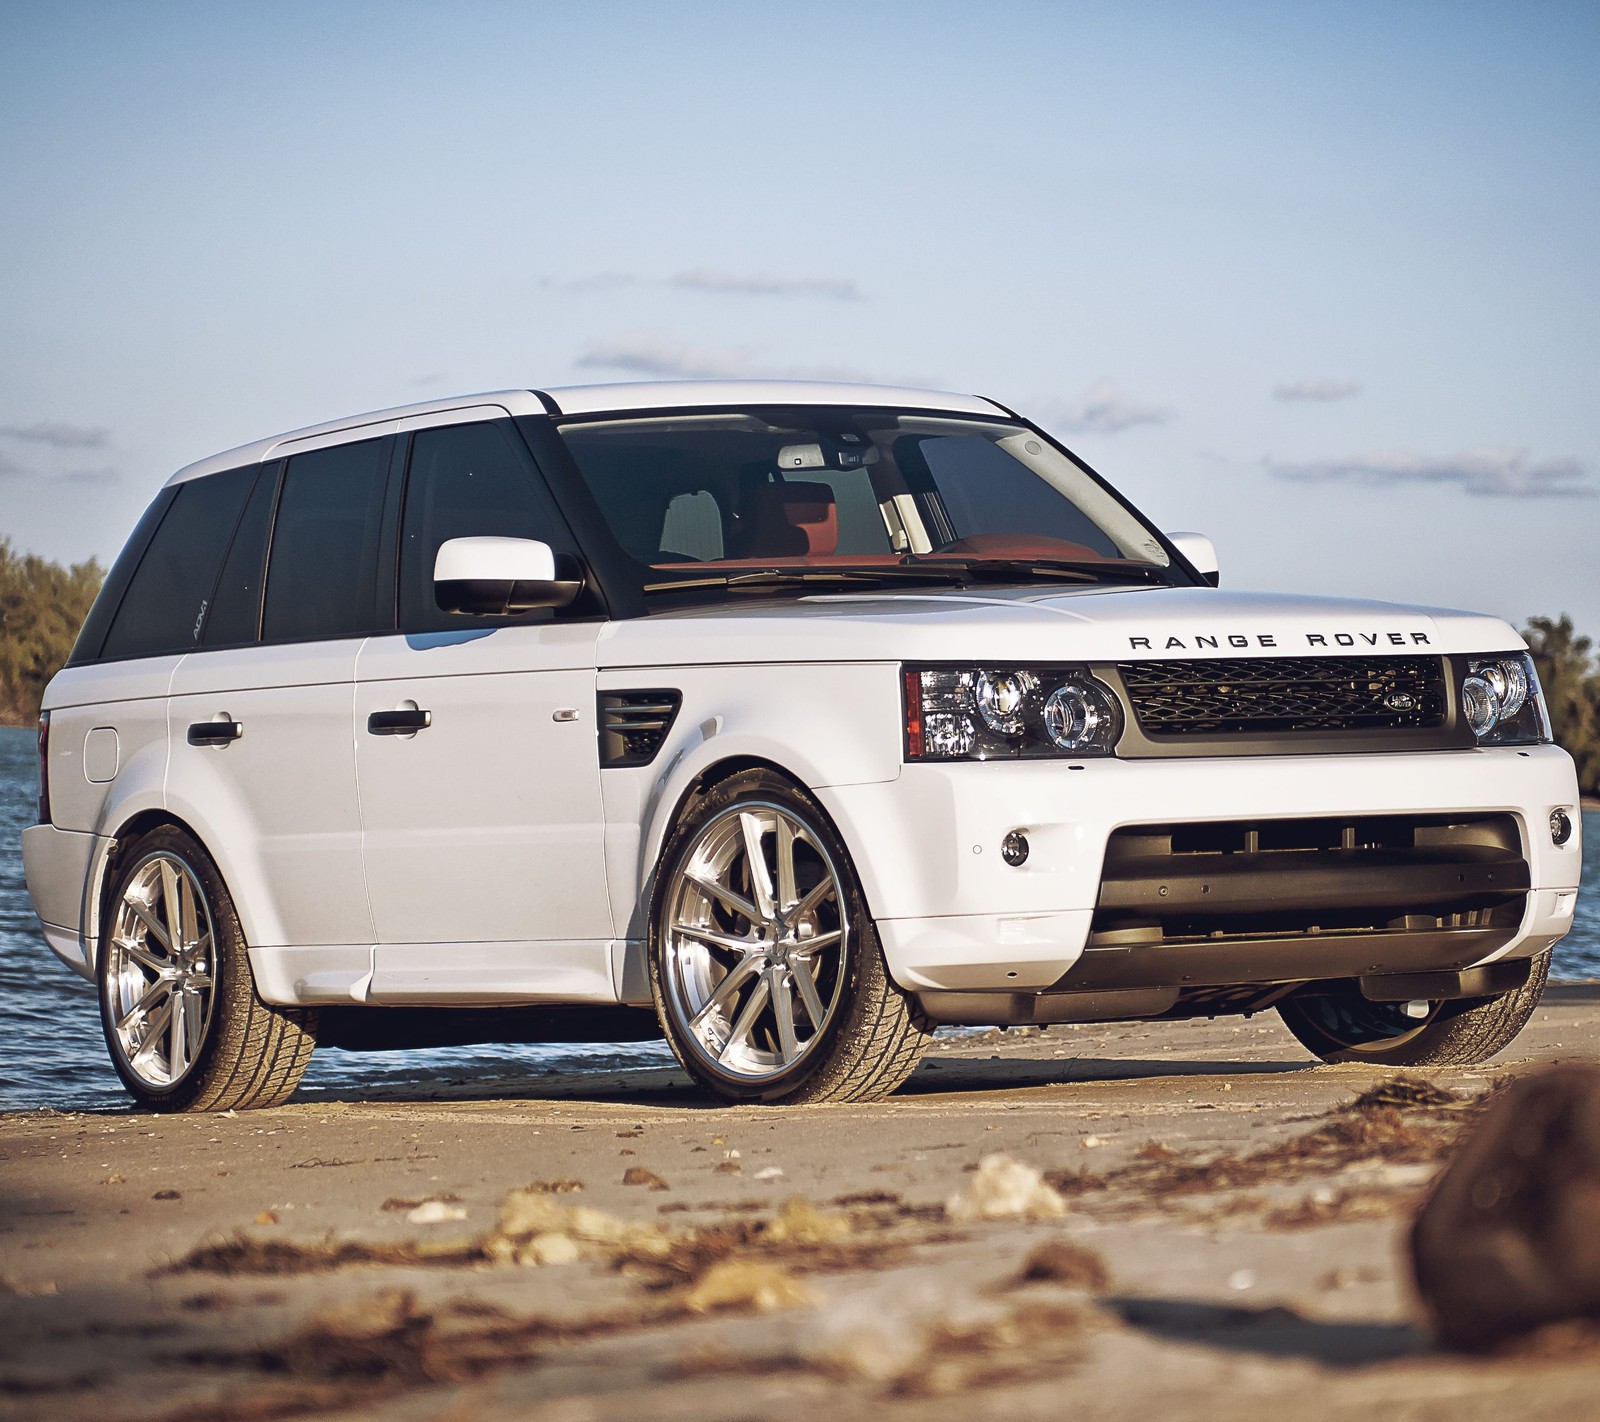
785	720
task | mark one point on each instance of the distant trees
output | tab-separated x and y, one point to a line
1571	682
42	605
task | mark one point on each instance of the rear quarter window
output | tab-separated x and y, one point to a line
169	595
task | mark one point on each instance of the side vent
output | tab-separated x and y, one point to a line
633	724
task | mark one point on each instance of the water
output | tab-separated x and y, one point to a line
52	1053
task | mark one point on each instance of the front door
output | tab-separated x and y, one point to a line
477	759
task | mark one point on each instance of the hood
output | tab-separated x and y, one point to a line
1027	624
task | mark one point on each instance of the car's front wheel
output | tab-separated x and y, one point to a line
179	1008
1335	1022
768	976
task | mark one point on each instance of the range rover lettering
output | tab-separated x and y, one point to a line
786	720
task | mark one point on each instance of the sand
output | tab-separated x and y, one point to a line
1187	1219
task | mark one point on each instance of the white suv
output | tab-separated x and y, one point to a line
809	716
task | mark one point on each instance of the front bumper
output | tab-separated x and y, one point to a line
954	916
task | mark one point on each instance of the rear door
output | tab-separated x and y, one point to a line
482	829
261	743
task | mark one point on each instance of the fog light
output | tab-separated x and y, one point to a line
1560	827
1014	849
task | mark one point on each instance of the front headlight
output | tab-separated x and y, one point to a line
1502	702
1008	713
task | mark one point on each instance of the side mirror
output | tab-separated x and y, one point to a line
495	577
1200	551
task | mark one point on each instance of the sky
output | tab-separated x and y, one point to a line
1319	280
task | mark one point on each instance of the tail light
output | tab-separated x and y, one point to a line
44	767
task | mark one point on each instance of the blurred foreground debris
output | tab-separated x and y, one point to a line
1509	1238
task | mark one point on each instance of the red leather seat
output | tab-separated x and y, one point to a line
793	520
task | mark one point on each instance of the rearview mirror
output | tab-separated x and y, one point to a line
1199	550
496	577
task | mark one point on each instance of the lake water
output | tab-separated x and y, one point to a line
52	1053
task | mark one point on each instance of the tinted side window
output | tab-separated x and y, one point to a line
92	635
465	481
166	602
236	609
322	577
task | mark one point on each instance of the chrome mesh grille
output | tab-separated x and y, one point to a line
1252	695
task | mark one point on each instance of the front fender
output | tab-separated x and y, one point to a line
822	725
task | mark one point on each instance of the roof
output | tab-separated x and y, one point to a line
586	400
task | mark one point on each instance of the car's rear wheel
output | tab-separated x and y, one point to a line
768	976
184	1026
1335	1022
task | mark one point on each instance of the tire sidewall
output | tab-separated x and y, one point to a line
754	788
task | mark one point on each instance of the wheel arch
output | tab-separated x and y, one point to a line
673	808
114	852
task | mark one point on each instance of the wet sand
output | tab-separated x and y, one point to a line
1226	1245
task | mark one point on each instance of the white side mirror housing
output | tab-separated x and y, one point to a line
1200	551
496	577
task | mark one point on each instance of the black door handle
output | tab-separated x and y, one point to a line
215	733
398	723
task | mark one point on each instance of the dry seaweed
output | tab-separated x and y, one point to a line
1060	1261
245	1254
1400	1122
1408	1093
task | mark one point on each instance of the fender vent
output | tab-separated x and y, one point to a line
633	724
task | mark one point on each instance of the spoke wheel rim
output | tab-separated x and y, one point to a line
160	982
756	942
1359	1026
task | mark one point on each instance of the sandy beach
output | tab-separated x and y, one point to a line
1214	1231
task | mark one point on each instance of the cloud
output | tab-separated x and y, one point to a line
57	435
1104	409
664	359
1487	472
598	281
89	477
708	281
9	468
1317	390
730	284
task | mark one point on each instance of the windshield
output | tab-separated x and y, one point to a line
816	495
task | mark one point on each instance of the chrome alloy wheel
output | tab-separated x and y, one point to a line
160	982
756	941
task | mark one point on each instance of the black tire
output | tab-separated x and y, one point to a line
872	1035
1335	1022
243	1053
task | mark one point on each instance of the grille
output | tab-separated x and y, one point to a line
633	724
1260	694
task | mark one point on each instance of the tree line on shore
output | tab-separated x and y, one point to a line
42	605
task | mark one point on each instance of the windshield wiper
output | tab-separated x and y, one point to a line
1068	570
799	577
958	572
